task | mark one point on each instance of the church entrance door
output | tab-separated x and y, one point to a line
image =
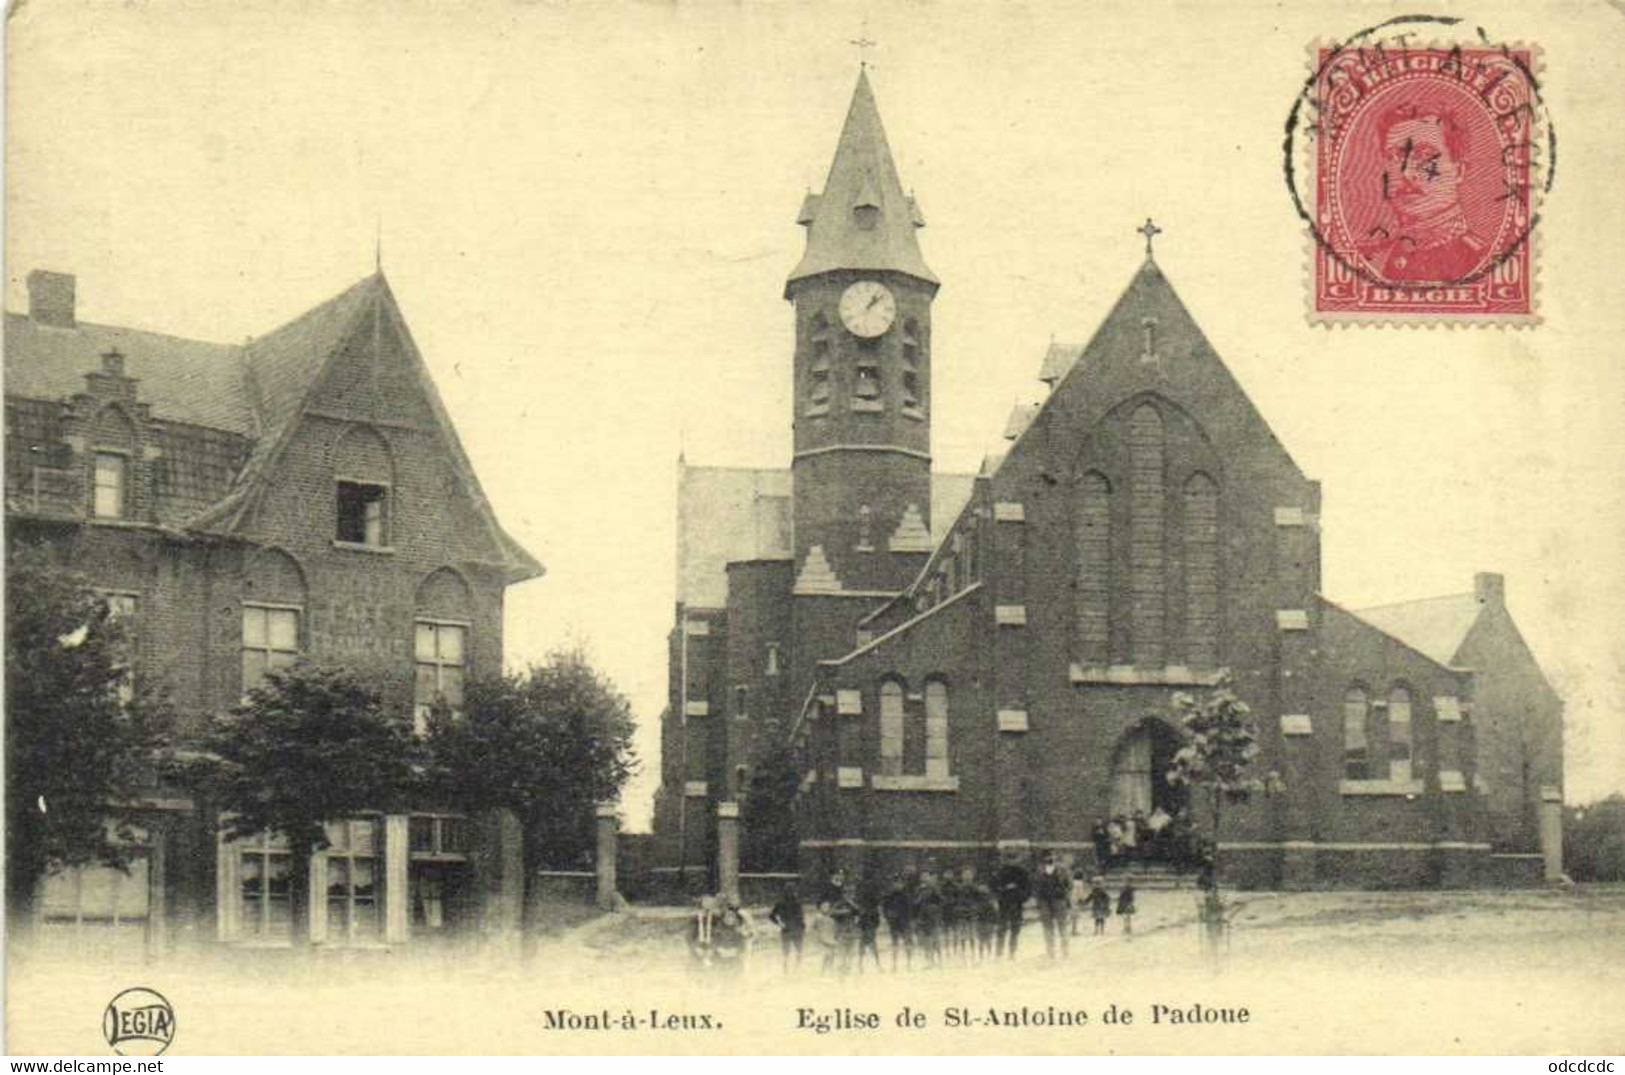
1140	784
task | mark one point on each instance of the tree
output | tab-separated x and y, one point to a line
310	744
547	744
1594	840
1220	743
768	811
82	733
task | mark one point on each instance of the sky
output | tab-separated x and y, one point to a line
587	214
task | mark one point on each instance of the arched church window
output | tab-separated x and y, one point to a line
1356	743
1400	754
867	387
936	728
1146	561
865	528
1094	565
911	364
818	375
1202	571
891	728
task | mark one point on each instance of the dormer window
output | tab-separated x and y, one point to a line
362	514
108	502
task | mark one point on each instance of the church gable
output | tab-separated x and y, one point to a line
1149	343
1152	486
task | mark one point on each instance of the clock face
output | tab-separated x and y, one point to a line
868	308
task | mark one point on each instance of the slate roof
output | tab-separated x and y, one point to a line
862	173
1435	626
1058	361
197	382
733	514
254	391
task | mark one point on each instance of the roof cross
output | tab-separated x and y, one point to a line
863	43
1150	231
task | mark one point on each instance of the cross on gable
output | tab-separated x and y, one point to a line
1150	231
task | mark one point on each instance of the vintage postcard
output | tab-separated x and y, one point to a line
756	528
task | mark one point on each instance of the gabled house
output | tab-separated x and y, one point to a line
302	494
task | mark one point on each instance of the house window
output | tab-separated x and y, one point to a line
95	895
936	728
1399	734
270	640
362	510
264	871
741	702
441	654
1356	746
772	658
109	498
439	836
891	728
352	881
121	609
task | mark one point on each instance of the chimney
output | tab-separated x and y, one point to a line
1490	588
50	298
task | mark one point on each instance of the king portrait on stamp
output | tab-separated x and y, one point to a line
1426	162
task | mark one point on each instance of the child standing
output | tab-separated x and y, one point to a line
825	934
787	915
1100	904
1125	906
869	931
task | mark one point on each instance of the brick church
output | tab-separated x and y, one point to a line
302	494
964	666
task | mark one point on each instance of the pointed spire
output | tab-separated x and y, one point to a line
862	219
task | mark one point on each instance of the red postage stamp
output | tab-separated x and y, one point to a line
1425	168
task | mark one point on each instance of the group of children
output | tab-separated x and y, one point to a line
945	919
1094	896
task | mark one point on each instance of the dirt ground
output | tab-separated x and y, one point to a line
1538	971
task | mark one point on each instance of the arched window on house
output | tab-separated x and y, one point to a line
273	613
440	644
1400	747
364	480
1356	741
1094	567
936	728
891	728
1147	505
1202	571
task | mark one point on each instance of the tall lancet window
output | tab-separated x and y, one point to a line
1201	572
1147	497
1094	565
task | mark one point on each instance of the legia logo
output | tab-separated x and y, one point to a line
139	1022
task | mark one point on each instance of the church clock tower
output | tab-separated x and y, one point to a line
862	296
